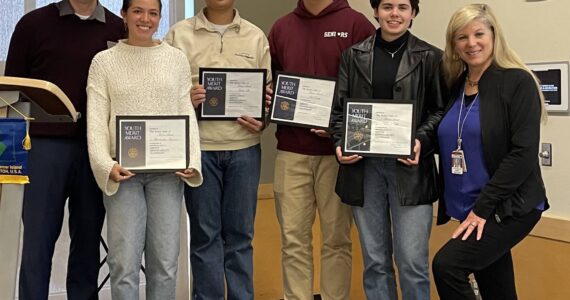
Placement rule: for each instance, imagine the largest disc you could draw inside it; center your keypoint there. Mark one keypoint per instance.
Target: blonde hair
(503, 55)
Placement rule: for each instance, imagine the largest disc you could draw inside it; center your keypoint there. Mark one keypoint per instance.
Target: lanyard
(460, 122)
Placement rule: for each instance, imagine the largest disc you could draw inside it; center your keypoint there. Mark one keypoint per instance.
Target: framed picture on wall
(553, 78)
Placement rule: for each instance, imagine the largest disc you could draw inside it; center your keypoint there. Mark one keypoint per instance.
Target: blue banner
(13, 156)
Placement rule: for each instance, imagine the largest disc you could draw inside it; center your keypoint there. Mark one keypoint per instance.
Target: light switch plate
(546, 154)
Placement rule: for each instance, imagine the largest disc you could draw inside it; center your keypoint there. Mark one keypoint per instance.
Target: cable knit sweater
(131, 80)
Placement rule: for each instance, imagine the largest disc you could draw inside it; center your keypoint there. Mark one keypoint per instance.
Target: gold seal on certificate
(133, 153)
(152, 143)
(214, 102)
(284, 106)
(378, 127)
(358, 136)
(304, 101)
(232, 93)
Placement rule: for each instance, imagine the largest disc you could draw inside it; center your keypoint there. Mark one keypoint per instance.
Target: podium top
(43, 93)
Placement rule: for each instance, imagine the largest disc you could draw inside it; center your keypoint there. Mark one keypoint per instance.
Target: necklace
(458, 164)
(460, 122)
(394, 53)
(472, 83)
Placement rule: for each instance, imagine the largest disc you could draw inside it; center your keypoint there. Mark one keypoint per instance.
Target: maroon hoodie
(307, 44)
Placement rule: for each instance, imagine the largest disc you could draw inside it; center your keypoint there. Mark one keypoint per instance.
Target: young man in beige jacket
(222, 210)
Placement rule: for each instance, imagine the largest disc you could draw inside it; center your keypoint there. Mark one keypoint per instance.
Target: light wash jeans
(222, 215)
(387, 228)
(144, 215)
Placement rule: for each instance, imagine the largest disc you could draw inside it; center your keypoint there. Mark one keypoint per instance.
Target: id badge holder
(458, 166)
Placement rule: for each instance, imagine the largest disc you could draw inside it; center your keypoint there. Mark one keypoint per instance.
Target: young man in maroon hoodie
(310, 41)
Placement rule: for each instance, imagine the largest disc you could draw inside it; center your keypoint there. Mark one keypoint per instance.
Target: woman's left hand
(186, 173)
(416, 160)
(471, 223)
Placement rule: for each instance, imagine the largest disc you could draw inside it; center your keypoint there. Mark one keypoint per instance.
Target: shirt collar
(65, 9)
(203, 23)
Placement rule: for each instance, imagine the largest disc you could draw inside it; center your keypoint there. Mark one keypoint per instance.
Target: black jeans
(489, 259)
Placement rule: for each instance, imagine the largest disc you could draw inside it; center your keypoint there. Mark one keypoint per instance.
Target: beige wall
(364, 7)
(538, 31)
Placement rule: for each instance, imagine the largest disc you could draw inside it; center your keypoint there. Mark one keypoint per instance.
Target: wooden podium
(45, 102)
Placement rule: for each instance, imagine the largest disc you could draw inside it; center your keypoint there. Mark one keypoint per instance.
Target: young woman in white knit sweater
(140, 76)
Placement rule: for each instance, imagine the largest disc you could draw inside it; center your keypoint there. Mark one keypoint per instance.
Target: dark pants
(222, 216)
(59, 169)
(489, 259)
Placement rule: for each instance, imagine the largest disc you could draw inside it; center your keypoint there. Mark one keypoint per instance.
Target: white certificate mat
(232, 93)
(303, 100)
(153, 143)
(379, 129)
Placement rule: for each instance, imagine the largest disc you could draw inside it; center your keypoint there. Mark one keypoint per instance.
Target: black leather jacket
(419, 79)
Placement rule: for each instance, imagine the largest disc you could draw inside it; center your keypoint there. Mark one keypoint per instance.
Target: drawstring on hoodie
(221, 43)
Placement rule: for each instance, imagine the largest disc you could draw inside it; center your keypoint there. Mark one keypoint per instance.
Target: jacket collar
(410, 58)
(202, 23)
(414, 44)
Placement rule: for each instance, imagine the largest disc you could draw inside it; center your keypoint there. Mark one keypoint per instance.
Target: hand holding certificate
(152, 143)
(303, 101)
(379, 128)
(232, 93)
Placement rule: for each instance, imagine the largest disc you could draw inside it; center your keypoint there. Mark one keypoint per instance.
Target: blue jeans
(222, 213)
(387, 228)
(59, 171)
(144, 215)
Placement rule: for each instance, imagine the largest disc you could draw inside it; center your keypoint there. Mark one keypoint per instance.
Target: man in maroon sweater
(310, 41)
(56, 43)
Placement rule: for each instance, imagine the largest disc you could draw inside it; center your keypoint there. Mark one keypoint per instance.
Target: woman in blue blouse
(488, 143)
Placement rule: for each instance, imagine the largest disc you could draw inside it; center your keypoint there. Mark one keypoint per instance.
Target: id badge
(458, 166)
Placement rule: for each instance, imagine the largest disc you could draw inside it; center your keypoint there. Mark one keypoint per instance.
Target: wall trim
(552, 228)
(265, 191)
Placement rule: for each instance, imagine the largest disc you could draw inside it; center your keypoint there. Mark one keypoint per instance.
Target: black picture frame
(133, 162)
(352, 134)
(214, 106)
(284, 107)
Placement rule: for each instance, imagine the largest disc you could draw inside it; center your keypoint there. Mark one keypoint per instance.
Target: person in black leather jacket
(392, 198)
(495, 190)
